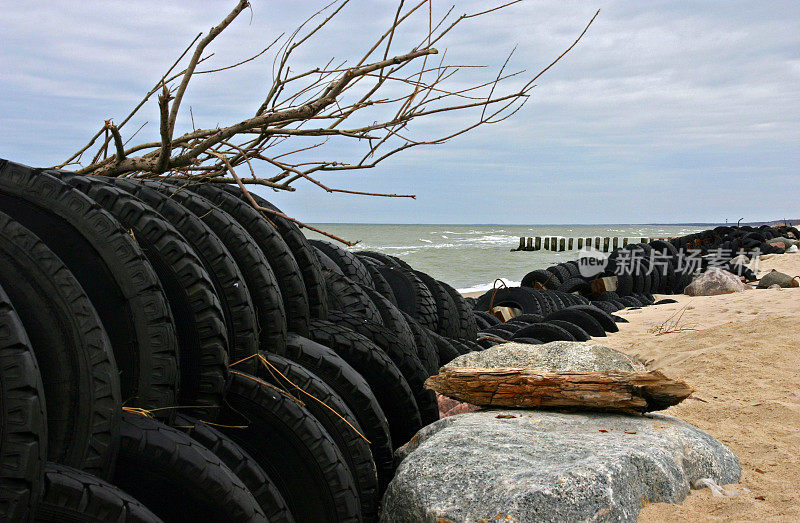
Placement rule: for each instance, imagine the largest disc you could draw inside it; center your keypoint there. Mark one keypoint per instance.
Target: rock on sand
(526, 465)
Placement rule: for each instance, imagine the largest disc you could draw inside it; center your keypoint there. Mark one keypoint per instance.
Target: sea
(472, 257)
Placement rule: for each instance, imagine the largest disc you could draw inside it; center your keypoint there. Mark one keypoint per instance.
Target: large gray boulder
(567, 356)
(525, 465)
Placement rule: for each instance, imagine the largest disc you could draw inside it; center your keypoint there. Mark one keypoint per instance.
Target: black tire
(541, 279)
(608, 296)
(446, 349)
(630, 301)
(346, 296)
(578, 333)
(276, 251)
(488, 318)
(196, 310)
(327, 264)
(457, 346)
(618, 303)
(574, 285)
(406, 361)
(601, 316)
(339, 421)
(237, 307)
(354, 390)
(664, 247)
(582, 319)
(293, 448)
(399, 323)
(258, 275)
(176, 477)
(446, 315)
(303, 254)
(74, 355)
(546, 332)
(387, 383)
(471, 345)
(560, 271)
(381, 285)
(23, 421)
(240, 463)
(468, 329)
(74, 495)
(505, 328)
(385, 259)
(619, 319)
(521, 298)
(606, 306)
(114, 273)
(424, 342)
(481, 322)
(413, 297)
(349, 263)
(525, 319)
(546, 301)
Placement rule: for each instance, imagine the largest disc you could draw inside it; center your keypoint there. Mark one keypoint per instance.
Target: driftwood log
(533, 388)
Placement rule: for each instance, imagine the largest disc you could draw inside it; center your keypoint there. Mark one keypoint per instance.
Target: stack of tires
(543, 316)
(170, 352)
(664, 267)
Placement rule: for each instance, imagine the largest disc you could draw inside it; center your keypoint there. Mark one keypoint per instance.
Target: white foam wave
(489, 286)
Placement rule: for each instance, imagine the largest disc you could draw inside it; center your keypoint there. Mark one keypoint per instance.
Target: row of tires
(546, 315)
(169, 352)
(666, 267)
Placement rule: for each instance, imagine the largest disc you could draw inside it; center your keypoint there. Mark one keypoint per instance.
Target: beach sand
(740, 352)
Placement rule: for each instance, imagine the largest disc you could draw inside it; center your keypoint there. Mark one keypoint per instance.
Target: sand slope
(742, 358)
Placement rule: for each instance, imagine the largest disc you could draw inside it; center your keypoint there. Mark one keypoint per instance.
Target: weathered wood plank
(533, 388)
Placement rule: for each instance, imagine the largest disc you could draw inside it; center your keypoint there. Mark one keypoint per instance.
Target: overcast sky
(665, 112)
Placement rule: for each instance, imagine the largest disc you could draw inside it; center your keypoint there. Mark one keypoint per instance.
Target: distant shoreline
(793, 221)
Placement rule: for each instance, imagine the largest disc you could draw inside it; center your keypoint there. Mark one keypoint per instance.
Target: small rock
(793, 249)
(713, 282)
(776, 278)
(775, 286)
(550, 466)
(554, 356)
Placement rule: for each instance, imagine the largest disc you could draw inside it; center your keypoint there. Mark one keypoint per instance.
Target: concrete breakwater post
(561, 244)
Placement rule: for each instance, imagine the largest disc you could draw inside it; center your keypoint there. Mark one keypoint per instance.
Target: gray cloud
(665, 112)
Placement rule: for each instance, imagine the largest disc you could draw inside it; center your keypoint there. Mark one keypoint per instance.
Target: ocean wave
(489, 286)
(412, 248)
(490, 239)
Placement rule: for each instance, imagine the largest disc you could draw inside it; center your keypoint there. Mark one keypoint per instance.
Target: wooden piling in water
(538, 243)
(569, 244)
(606, 242)
(562, 244)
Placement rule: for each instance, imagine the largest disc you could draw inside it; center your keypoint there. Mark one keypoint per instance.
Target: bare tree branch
(298, 127)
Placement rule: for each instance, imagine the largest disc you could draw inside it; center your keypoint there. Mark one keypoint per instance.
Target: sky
(665, 112)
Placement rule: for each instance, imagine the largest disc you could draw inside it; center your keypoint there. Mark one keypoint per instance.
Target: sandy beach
(739, 351)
